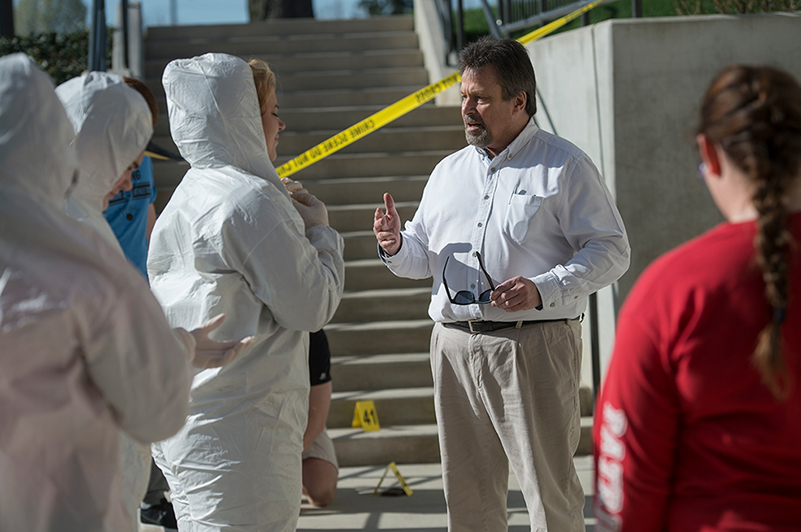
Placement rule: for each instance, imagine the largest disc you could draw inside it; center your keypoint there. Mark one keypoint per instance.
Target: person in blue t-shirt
(131, 215)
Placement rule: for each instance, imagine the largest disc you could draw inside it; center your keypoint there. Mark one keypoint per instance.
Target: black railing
(97, 37)
(505, 17)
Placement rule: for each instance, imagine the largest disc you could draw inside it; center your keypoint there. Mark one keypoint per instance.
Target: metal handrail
(97, 37)
(446, 25)
(514, 15)
(125, 34)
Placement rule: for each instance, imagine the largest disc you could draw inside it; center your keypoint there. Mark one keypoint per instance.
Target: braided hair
(754, 114)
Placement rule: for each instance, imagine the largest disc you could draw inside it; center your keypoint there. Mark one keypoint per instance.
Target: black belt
(488, 326)
(479, 326)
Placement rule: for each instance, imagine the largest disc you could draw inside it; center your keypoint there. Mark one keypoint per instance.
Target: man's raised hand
(387, 226)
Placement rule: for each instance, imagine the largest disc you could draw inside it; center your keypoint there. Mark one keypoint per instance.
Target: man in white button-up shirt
(517, 230)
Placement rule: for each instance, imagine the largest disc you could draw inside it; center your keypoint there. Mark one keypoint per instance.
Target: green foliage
(62, 56)
(735, 7)
(475, 25)
(45, 16)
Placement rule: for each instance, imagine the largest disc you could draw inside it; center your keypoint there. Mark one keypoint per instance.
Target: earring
(702, 171)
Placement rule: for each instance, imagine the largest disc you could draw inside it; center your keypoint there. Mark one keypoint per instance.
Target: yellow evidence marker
(364, 416)
(406, 489)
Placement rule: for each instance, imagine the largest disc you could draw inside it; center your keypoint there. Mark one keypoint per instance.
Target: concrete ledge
(401, 444)
(394, 406)
(379, 372)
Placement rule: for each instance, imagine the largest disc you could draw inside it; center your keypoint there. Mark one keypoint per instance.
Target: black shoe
(160, 514)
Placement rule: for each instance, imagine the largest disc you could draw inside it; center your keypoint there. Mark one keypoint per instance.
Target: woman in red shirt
(699, 422)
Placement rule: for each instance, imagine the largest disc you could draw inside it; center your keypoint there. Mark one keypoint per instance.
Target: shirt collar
(516, 145)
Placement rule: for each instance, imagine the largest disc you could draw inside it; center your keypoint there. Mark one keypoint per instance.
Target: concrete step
(343, 191)
(372, 274)
(310, 99)
(384, 140)
(379, 372)
(331, 191)
(376, 338)
(365, 95)
(405, 406)
(359, 245)
(337, 119)
(405, 444)
(405, 370)
(375, 164)
(354, 78)
(384, 305)
(359, 217)
(449, 137)
(354, 507)
(312, 62)
(370, 164)
(402, 444)
(247, 46)
(281, 27)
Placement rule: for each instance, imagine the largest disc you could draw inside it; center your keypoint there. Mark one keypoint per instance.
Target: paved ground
(355, 509)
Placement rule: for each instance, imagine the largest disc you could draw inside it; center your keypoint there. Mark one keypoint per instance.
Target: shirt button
(553, 305)
(472, 285)
(486, 196)
(575, 297)
(480, 224)
(475, 253)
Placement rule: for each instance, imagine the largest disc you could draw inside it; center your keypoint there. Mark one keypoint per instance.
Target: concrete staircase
(332, 74)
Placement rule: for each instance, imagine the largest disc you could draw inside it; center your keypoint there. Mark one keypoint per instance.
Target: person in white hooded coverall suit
(112, 127)
(86, 349)
(230, 240)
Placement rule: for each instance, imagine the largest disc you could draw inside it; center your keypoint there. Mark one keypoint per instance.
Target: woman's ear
(709, 154)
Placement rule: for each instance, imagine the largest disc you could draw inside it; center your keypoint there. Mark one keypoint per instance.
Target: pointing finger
(389, 202)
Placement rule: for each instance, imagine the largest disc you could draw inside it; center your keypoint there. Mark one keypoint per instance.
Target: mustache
(473, 120)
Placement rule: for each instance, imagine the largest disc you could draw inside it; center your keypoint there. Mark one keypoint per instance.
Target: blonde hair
(264, 78)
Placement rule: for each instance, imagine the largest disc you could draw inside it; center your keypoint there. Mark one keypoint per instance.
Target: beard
(481, 138)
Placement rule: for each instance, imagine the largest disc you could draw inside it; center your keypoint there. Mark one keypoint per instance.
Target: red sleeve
(635, 434)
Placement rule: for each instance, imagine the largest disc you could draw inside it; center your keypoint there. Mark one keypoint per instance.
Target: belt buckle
(470, 325)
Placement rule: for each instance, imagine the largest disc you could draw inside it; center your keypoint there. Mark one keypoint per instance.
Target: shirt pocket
(519, 214)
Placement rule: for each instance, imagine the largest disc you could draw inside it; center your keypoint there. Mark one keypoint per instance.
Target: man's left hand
(516, 294)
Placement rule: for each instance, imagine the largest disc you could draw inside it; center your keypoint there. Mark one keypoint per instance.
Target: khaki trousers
(509, 397)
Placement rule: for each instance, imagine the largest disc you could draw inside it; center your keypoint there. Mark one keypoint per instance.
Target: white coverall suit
(113, 124)
(86, 349)
(229, 240)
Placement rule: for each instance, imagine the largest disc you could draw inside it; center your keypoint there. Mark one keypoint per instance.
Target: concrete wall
(627, 92)
(432, 43)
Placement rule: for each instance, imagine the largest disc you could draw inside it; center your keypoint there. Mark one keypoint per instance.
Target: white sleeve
(300, 278)
(592, 225)
(137, 363)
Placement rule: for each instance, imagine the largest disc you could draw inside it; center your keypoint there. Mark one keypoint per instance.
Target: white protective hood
(27, 150)
(217, 127)
(112, 125)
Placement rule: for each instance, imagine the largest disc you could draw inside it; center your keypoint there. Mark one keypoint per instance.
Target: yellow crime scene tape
(401, 107)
